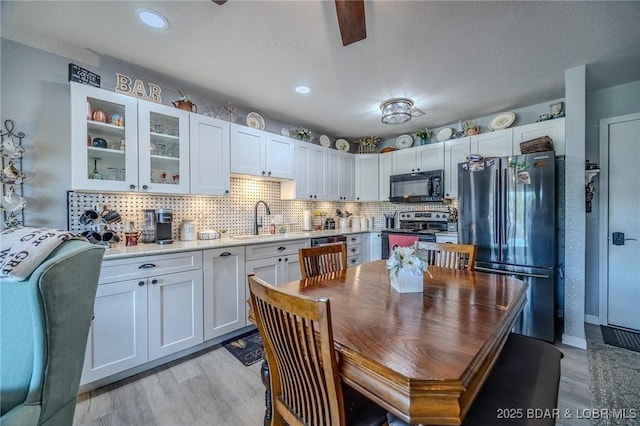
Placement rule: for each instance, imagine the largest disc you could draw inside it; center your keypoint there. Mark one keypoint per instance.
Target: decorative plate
(342, 145)
(285, 132)
(404, 141)
(502, 121)
(255, 121)
(444, 134)
(325, 141)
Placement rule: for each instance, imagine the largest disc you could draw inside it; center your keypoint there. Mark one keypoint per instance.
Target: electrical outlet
(278, 219)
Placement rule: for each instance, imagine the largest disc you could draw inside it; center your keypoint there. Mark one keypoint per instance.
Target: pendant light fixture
(396, 110)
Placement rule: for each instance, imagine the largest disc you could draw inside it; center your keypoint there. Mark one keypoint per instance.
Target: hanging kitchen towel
(23, 249)
(401, 241)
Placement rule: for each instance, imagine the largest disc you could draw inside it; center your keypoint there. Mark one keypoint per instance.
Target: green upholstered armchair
(44, 323)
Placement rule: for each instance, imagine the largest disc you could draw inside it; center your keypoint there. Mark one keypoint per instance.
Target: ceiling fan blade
(351, 20)
(220, 2)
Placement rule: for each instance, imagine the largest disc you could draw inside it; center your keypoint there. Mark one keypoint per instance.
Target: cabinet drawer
(354, 260)
(353, 250)
(353, 239)
(261, 251)
(146, 266)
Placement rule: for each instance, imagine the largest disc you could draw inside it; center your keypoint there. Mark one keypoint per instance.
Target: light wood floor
(216, 389)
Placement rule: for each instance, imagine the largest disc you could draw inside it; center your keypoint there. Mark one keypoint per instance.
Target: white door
(622, 137)
(209, 155)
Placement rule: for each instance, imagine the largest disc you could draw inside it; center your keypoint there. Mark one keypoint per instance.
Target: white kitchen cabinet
(117, 338)
(385, 164)
(375, 246)
(163, 148)
(174, 312)
(93, 167)
(498, 143)
(145, 308)
(258, 153)
(276, 263)
(455, 151)
(419, 159)
(553, 128)
(340, 176)
(366, 177)
(209, 156)
(154, 156)
(310, 168)
(225, 297)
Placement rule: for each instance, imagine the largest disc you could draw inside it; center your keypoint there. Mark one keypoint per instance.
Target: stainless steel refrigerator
(507, 210)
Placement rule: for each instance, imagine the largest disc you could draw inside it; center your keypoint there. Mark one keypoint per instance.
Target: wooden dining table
(422, 356)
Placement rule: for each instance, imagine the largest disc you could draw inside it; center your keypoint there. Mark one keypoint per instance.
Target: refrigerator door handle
(503, 195)
(503, 272)
(496, 209)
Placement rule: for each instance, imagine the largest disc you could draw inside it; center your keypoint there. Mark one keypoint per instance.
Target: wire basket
(544, 143)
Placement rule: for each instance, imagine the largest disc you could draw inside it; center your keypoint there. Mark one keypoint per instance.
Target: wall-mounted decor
(126, 86)
(12, 202)
(83, 76)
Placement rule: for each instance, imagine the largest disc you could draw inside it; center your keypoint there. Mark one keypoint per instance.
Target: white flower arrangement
(303, 134)
(410, 259)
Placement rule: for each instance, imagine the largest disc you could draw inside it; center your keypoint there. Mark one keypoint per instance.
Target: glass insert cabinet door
(104, 134)
(163, 138)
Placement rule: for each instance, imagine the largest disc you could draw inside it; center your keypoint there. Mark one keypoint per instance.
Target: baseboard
(592, 319)
(577, 342)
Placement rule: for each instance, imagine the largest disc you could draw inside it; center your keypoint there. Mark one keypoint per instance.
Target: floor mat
(247, 348)
(621, 338)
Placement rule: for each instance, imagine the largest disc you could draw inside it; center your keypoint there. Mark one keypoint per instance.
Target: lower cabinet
(149, 316)
(375, 246)
(225, 298)
(275, 263)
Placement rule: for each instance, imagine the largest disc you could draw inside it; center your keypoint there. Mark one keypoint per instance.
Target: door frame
(603, 282)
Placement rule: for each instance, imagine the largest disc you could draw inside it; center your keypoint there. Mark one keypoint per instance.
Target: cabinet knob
(140, 283)
(145, 187)
(282, 248)
(286, 259)
(310, 196)
(269, 174)
(226, 191)
(263, 173)
(154, 281)
(132, 186)
(280, 260)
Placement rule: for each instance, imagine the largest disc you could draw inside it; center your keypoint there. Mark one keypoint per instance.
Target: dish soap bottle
(273, 227)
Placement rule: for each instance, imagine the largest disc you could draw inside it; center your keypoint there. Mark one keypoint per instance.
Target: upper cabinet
(455, 151)
(498, 143)
(120, 143)
(340, 176)
(309, 178)
(104, 156)
(385, 165)
(366, 180)
(209, 156)
(258, 153)
(552, 128)
(163, 148)
(420, 159)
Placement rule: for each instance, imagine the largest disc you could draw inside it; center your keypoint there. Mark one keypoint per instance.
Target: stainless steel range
(422, 224)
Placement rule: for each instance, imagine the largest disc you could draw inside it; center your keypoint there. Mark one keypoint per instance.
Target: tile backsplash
(233, 213)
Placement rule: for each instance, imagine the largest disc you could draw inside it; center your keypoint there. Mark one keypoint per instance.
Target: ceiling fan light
(396, 110)
(152, 19)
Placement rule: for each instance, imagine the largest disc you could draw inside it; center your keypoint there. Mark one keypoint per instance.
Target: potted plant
(470, 128)
(303, 134)
(424, 136)
(406, 265)
(185, 102)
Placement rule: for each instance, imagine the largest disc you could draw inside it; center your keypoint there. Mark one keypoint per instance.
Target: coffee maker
(164, 232)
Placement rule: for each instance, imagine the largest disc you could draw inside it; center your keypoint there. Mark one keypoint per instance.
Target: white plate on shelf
(444, 134)
(325, 141)
(404, 141)
(342, 145)
(255, 121)
(285, 132)
(502, 121)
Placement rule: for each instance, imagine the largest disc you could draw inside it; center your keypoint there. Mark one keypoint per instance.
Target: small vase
(405, 281)
(424, 141)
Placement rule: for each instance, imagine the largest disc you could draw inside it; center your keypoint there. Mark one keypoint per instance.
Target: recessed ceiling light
(152, 19)
(303, 89)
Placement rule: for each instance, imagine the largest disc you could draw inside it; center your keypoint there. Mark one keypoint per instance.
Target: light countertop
(121, 251)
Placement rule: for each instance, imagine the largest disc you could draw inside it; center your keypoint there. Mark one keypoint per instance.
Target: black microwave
(417, 187)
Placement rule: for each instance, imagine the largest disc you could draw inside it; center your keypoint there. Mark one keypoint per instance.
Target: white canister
(344, 224)
(364, 222)
(355, 222)
(188, 230)
(371, 222)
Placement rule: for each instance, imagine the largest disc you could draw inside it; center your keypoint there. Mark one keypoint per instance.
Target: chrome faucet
(255, 216)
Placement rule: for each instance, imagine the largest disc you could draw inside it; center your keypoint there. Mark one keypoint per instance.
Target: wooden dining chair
(449, 255)
(298, 344)
(322, 259)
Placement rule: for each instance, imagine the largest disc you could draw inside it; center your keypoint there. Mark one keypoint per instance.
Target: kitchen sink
(267, 237)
